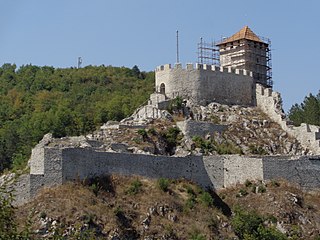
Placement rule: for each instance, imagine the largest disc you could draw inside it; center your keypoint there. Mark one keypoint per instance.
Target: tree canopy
(37, 100)
(306, 112)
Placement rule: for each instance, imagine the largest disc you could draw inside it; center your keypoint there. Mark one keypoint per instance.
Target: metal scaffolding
(208, 53)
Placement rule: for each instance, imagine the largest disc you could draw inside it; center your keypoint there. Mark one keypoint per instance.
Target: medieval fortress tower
(245, 60)
(242, 77)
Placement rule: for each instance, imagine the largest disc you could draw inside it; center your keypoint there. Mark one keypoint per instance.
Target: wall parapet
(203, 67)
(270, 102)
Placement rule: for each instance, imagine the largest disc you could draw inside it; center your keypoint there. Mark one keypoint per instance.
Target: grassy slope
(116, 209)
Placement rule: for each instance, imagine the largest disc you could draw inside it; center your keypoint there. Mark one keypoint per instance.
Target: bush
(163, 184)
(248, 183)
(152, 131)
(135, 187)
(205, 145)
(243, 192)
(176, 104)
(227, 148)
(143, 134)
(206, 199)
(95, 187)
(249, 225)
(171, 136)
(262, 189)
(258, 150)
(190, 190)
(190, 203)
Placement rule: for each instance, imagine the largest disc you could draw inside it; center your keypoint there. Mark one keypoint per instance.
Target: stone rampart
(70, 163)
(204, 83)
(303, 171)
(270, 102)
(192, 128)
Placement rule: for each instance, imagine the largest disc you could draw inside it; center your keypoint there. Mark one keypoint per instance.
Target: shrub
(152, 131)
(190, 190)
(176, 104)
(206, 199)
(190, 203)
(227, 148)
(95, 187)
(245, 222)
(163, 184)
(171, 136)
(118, 211)
(249, 225)
(135, 187)
(258, 150)
(254, 188)
(143, 134)
(262, 189)
(248, 183)
(243, 192)
(205, 145)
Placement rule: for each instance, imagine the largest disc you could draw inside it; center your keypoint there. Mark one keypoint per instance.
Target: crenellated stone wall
(270, 102)
(74, 163)
(204, 83)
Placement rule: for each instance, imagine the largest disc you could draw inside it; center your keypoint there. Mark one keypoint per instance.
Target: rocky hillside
(247, 131)
(136, 208)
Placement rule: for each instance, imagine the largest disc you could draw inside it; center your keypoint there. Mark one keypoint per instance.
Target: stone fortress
(242, 78)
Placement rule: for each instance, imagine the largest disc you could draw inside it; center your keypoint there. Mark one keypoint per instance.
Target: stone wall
(206, 83)
(90, 163)
(238, 169)
(270, 102)
(65, 164)
(303, 171)
(50, 166)
(192, 128)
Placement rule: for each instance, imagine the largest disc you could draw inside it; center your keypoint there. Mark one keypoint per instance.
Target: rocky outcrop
(270, 102)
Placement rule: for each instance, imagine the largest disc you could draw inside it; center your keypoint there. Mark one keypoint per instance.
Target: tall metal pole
(201, 47)
(177, 46)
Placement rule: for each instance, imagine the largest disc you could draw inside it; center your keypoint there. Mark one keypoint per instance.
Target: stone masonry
(204, 83)
(50, 166)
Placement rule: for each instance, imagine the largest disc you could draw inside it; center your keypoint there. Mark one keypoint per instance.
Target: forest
(63, 101)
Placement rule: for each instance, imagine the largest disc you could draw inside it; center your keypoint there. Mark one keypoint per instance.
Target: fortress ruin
(242, 78)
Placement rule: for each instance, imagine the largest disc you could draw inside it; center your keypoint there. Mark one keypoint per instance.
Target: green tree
(296, 114)
(311, 110)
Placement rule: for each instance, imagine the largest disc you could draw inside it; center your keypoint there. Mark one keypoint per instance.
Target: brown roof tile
(244, 33)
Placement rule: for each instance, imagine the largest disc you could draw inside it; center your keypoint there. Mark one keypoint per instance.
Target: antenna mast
(178, 46)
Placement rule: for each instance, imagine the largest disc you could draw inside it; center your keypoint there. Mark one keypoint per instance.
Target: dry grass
(286, 202)
(71, 202)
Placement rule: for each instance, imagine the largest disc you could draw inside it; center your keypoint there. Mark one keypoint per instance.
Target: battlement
(264, 91)
(203, 67)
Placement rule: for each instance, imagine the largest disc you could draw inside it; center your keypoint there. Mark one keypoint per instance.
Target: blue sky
(143, 32)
